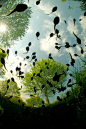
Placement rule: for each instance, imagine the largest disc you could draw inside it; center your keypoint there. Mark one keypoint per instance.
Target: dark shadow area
(56, 114)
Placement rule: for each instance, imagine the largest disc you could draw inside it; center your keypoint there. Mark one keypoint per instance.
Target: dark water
(20, 30)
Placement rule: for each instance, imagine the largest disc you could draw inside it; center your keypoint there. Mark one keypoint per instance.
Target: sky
(43, 23)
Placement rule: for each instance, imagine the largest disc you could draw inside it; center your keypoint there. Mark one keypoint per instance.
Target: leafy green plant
(12, 90)
(79, 92)
(17, 100)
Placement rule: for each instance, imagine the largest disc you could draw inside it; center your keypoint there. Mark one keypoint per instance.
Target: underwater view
(43, 63)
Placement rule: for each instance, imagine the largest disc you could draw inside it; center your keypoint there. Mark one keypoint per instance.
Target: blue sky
(40, 22)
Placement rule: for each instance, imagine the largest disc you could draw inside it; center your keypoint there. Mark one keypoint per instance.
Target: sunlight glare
(2, 28)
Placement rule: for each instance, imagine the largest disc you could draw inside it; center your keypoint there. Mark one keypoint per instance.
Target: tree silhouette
(16, 24)
(42, 82)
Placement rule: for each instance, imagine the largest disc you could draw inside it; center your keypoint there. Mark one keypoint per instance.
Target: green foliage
(46, 74)
(77, 91)
(79, 75)
(12, 90)
(15, 100)
(16, 24)
(34, 101)
(83, 5)
(2, 55)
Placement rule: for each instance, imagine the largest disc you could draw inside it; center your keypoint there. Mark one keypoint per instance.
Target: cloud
(48, 45)
(71, 26)
(48, 25)
(46, 8)
(71, 51)
(30, 30)
(12, 63)
(83, 26)
(83, 22)
(63, 35)
(24, 96)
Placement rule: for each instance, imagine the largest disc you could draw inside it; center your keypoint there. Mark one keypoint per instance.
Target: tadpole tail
(37, 38)
(48, 14)
(5, 67)
(25, 53)
(75, 35)
(54, 27)
(11, 12)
